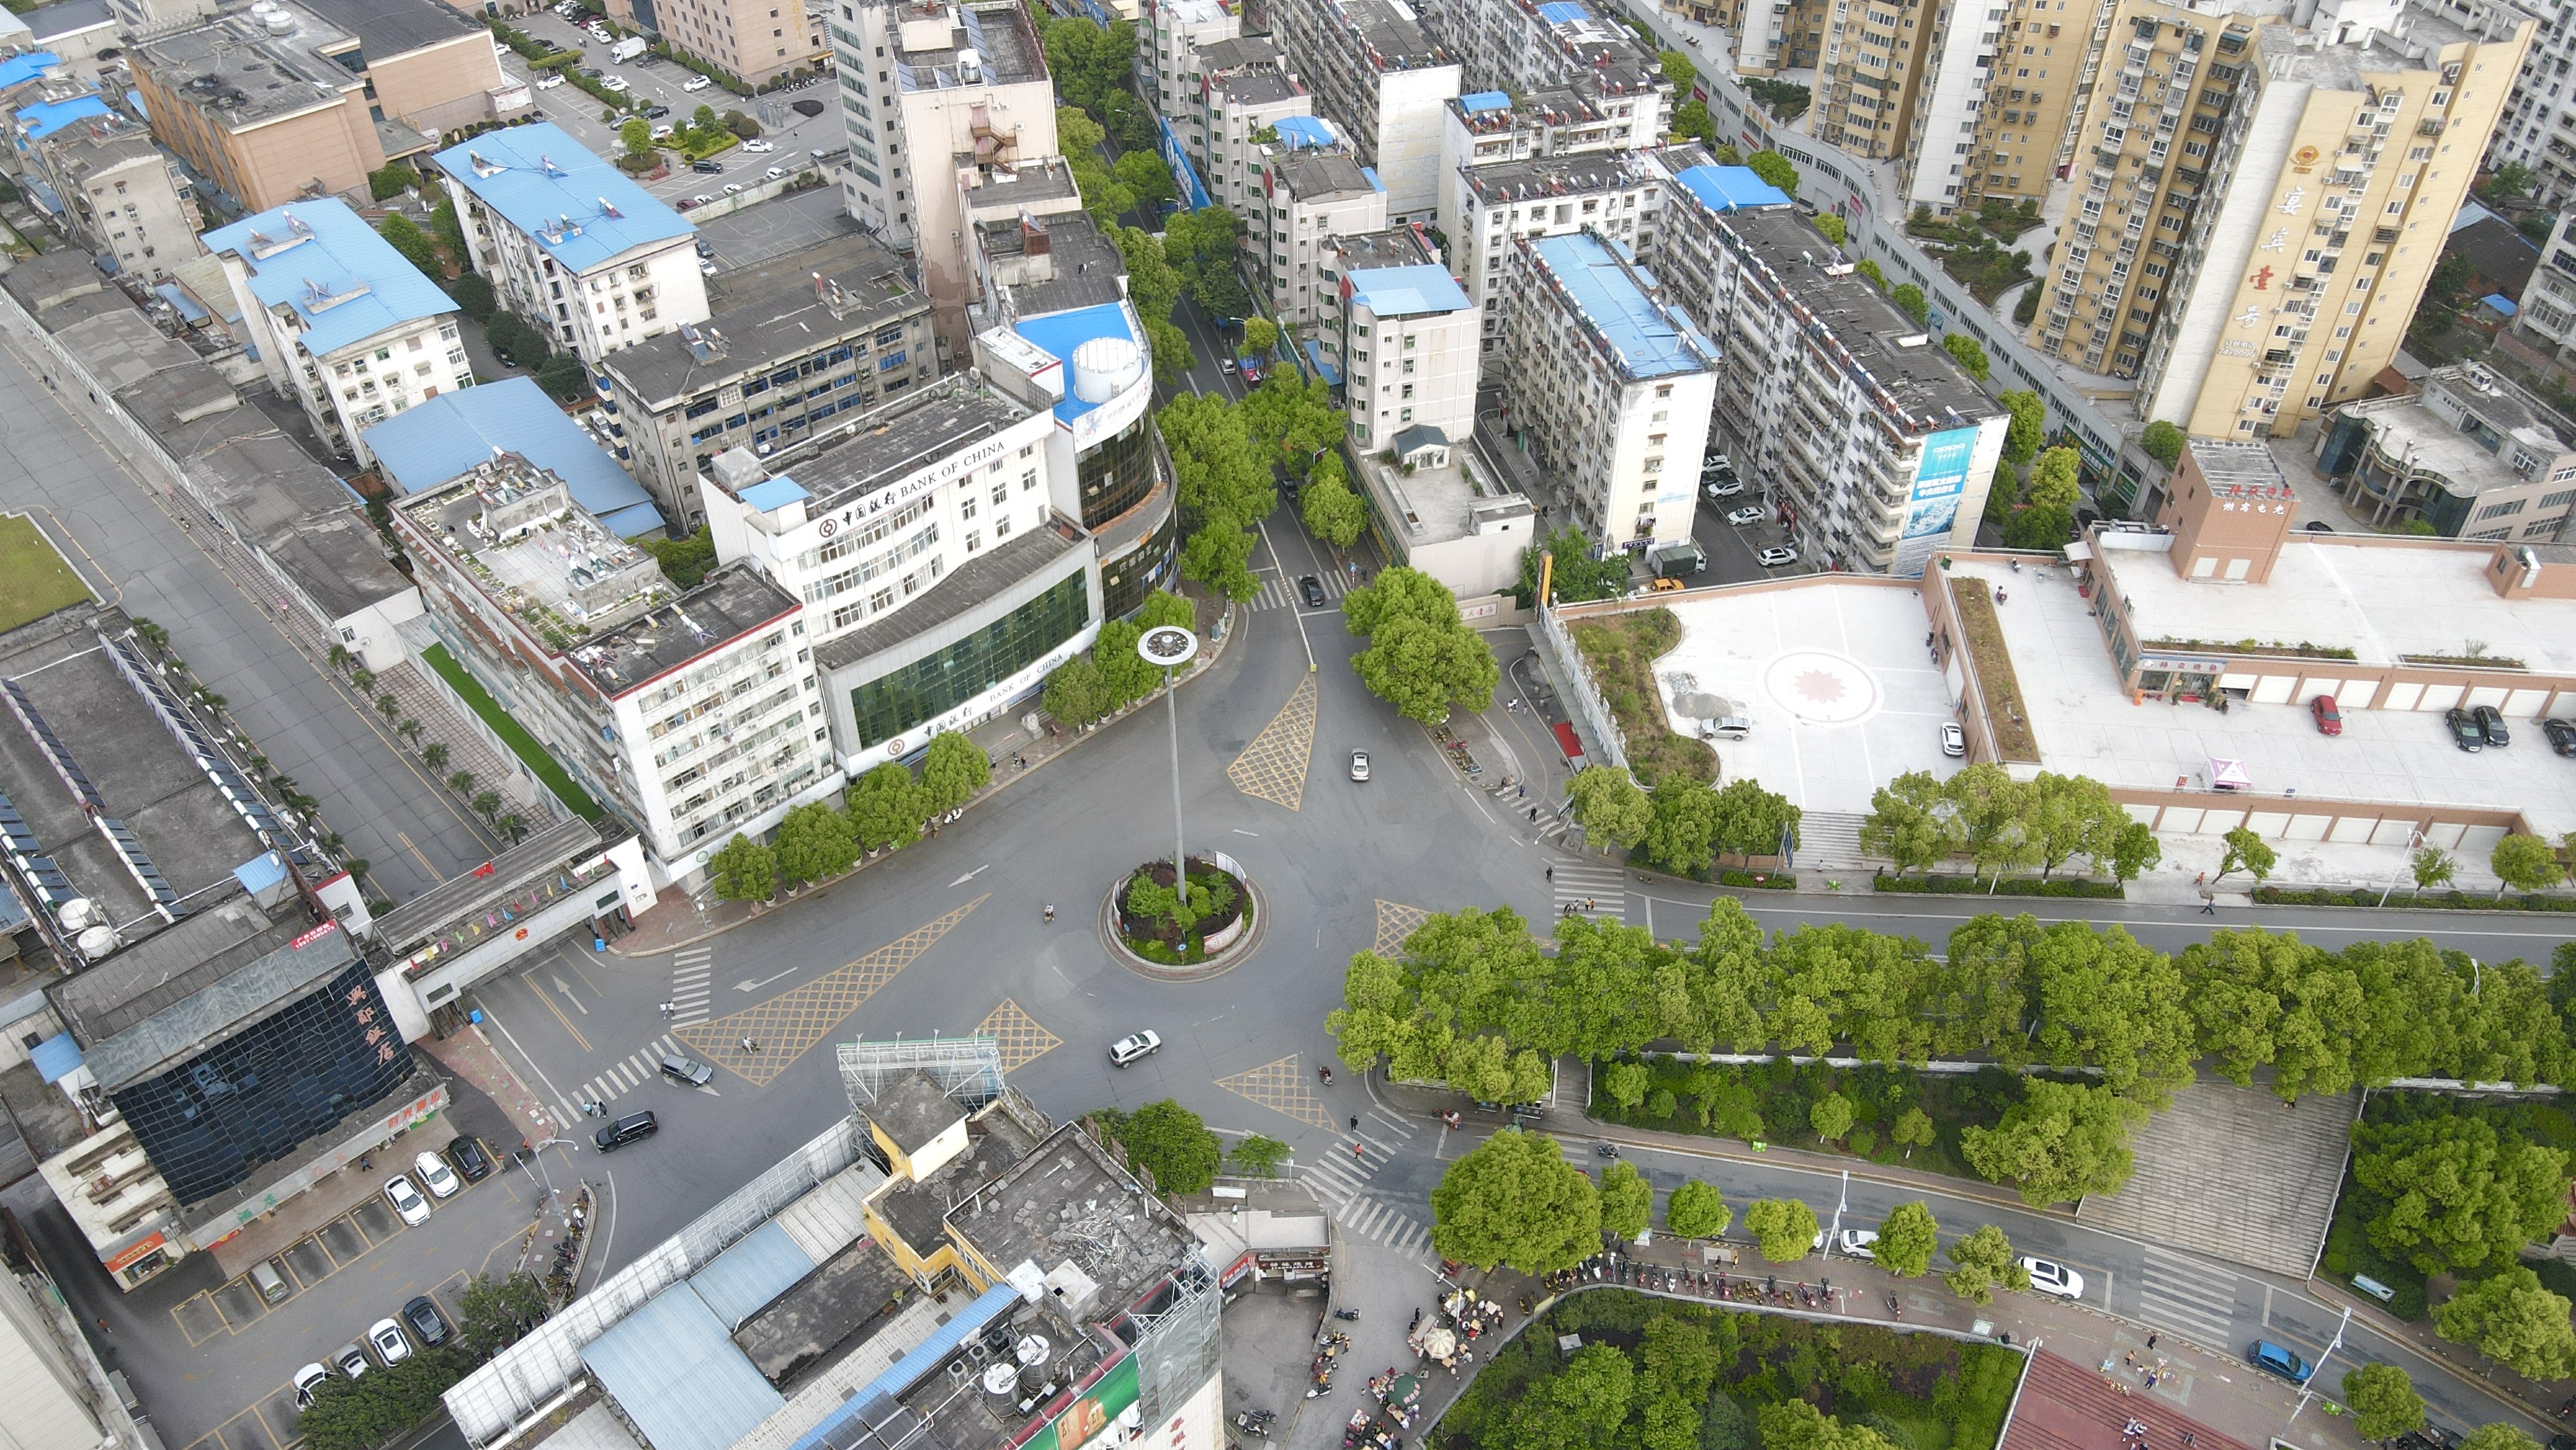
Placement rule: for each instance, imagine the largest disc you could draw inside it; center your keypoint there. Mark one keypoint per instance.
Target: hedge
(2440, 901)
(512, 733)
(2063, 886)
(1767, 881)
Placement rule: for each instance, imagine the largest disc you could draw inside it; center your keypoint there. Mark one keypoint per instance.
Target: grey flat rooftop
(908, 437)
(543, 854)
(1393, 247)
(2430, 442)
(1395, 39)
(67, 17)
(771, 313)
(913, 1110)
(1435, 505)
(1088, 269)
(388, 28)
(1257, 85)
(1067, 1200)
(1547, 178)
(730, 603)
(90, 148)
(1036, 185)
(217, 1008)
(1011, 50)
(165, 969)
(848, 1299)
(1240, 50)
(918, 1210)
(968, 585)
(253, 77)
(2228, 1172)
(1924, 379)
(1323, 175)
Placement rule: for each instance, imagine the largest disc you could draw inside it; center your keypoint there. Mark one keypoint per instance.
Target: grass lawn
(512, 733)
(1622, 650)
(34, 579)
(2013, 740)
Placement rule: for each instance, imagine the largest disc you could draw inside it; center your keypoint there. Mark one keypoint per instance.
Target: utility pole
(1171, 647)
(2307, 1386)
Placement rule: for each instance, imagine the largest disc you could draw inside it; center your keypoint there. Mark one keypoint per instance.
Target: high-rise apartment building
(1611, 383)
(1494, 207)
(122, 195)
(1406, 340)
(1863, 434)
(1245, 92)
(936, 99)
(1772, 36)
(1171, 35)
(2539, 126)
(1519, 48)
(2259, 204)
(1311, 190)
(1376, 73)
(755, 39)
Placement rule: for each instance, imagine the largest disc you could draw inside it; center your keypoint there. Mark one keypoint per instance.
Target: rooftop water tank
(1105, 367)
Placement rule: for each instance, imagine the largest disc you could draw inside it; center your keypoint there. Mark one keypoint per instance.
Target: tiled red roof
(2067, 1406)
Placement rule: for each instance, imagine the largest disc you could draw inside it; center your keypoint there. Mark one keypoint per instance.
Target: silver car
(1775, 556)
(1135, 1047)
(1359, 765)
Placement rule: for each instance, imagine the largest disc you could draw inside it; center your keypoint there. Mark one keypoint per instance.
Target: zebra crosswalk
(624, 1075)
(1585, 889)
(1281, 591)
(1341, 1182)
(690, 970)
(2188, 1297)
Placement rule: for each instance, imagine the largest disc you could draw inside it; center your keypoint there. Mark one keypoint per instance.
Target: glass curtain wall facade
(1118, 474)
(895, 702)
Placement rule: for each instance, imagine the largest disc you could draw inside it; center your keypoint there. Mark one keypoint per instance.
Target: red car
(2329, 719)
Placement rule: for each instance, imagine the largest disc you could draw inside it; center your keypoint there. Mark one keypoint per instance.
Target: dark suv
(2491, 725)
(2562, 735)
(624, 1131)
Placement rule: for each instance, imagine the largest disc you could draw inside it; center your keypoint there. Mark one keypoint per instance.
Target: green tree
(2163, 442)
(564, 378)
(1074, 694)
(744, 870)
(1982, 1263)
(1609, 806)
(685, 561)
(1774, 168)
(1144, 174)
(2134, 849)
(1219, 556)
(1836, 230)
(2247, 852)
(636, 135)
(2524, 863)
(2512, 1319)
(1831, 1116)
(1990, 805)
(2432, 867)
(1912, 823)
(1798, 1425)
(1907, 1239)
(1912, 1130)
(472, 293)
(2056, 479)
(1783, 1229)
(1868, 267)
(1697, 1210)
(2497, 1437)
(888, 807)
(1573, 574)
(434, 756)
(1626, 1200)
(1677, 69)
(2068, 816)
(1291, 420)
(1682, 829)
(1331, 512)
(2061, 1142)
(2039, 527)
(1752, 821)
(815, 843)
(1123, 672)
(406, 237)
(2450, 1193)
(2028, 428)
(1515, 1200)
(1421, 658)
(492, 1313)
(2383, 1402)
(1909, 300)
(1152, 285)
(391, 181)
(1258, 1156)
(1625, 1083)
(1969, 354)
(953, 768)
(1170, 1142)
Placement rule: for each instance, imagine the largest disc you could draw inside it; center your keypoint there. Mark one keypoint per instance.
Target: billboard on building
(1095, 1409)
(1933, 507)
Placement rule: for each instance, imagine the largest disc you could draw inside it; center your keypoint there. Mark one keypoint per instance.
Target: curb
(1178, 976)
(1233, 629)
(1955, 1188)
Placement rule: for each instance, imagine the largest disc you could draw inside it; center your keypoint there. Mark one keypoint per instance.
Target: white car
(1715, 461)
(550, 80)
(305, 1379)
(1954, 741)
(757, 147)
(387, 1339)
(733, 188)
(1718, 488)
(1359, 765)
(407, 1200)
(696, 83)
(2050, 1277)
(1854, 1243)
(612, 83)
(1749, 514)
(1775, 556)
(434, 1172)
(701, 199)
(774, 173)
(1135, 1047)
(706, 269)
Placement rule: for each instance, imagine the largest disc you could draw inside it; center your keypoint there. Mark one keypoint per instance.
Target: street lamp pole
(2305, 1386)
(1171, 647)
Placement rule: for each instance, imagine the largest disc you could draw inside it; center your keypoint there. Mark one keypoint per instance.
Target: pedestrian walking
(1533, 815)
(666, 1009)
(2208, 904)
(1524, 795)
(1355, 1125)
(750, 1046)
(1551, 873)
(1359, 1153)
(2151, 1341)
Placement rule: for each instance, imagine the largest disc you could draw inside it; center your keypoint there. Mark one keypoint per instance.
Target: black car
(472, 1163)
(2464, 729)
(624, 1131)
(1313, 589)
(711, 168)
(656, 111)
(807, 108)
(2491, 724)
(2562, 735)
(426, 1321)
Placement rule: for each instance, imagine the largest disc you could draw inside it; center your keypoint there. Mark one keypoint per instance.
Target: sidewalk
(470, 1055)
(677, 919)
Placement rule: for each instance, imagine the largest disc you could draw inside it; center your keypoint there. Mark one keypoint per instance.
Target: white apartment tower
(1244, 94)
(1311, 190)
(1490, 208)
(1171, 35)
(1571, 45)
(1377, 74)
(1407, 345)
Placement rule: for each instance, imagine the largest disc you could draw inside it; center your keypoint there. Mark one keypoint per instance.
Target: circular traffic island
(1155, 933)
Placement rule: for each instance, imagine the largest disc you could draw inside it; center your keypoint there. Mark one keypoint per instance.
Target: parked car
(774, 173)
(696, 83)
(758, 148)
(2047, 1276)
(406, 1200)
(733, 188)
(2329, 718)
(1359, 765)
(706, 269)
(701, 199)
(1854, 1243)
(1313, 589)
(663, 132)
(550, 80)
(2273, 1359)
(1749, 514)
(612, 83)
(2491, 724)
(2464, 729)
(1722, 488)
(1716, 460)
(1954, 741)
(390, 1345)
(1775, 556)
(351, 1360)
(2562, 735)
(434, 1175)
(305, 1379)
(1135, 1047)
(656, 111)
(624, 1131)
(426, 1321)
(472, 1163)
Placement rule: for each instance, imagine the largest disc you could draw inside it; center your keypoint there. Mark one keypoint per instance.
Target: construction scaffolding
(967, 1069)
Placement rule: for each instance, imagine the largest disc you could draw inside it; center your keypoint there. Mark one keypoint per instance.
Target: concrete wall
(425, 86)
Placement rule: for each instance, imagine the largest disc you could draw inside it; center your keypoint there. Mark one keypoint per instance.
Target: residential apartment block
(1864, 435)
(571, 242)
(1408, 342)
(2538, 129)
(342, 323)
(805, 345)
(1610, 383)
(1245, 94)
(1492, 208)
(1312, 190)
(1572, 46)
(930, 95)
(691, 714)
(1376, 73)
(757, 40)
(2467, 452)
(122, 195)
(1988, 100)
(1772, 36)
(1171, 36)
(2547, 317)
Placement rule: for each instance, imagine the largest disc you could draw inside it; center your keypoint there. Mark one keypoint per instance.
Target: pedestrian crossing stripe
(1604, 887)
(2188, 1298)
(1283, 592)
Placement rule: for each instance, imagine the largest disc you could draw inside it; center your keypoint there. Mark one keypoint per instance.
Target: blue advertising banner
(1933, 506)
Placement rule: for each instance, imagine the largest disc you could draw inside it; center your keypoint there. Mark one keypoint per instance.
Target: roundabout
(1138, 925)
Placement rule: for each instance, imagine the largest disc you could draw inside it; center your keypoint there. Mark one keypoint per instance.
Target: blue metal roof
(1651, 340)
(1561, 12)
(177, 296)
(261, 872)
(46, 117)
(55, 1057)
(773, 494)
(1407, 291)
(1331, 375)
(432, 442)
(764, 1265)
(910, 1370)
(27, 67)
(580, 209)
(678, 1377)
(346, 283)
(1296, 131)
(1476, 101)
(1724, 188)
(1061, 332)
(31, 1003)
